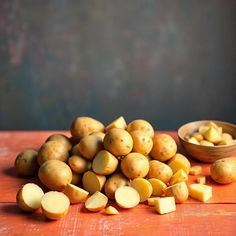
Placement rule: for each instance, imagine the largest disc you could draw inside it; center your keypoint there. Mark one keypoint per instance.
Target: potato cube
(165, 205)
(195, 170)
(201, 180)
(200, 192)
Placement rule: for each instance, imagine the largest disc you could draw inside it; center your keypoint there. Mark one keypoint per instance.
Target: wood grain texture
(192, 218)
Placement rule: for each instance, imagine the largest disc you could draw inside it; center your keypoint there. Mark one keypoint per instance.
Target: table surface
(216, 217)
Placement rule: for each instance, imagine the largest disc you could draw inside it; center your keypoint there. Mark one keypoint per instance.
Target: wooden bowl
(205, 153)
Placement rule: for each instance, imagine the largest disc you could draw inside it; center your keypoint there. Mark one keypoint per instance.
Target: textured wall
(166, 61)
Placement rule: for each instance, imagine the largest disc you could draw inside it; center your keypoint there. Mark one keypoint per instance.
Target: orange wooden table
(217, 217)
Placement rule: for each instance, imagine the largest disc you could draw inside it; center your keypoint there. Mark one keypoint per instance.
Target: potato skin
(114, 182)
(134, 165)
(83, 126)
(164, 147)
(142, 142)
(159, 171)
(61, 138)
(55, 174)
(26, 162)
(52, 150)
(142, 125)
(223, 171)
(118, 142)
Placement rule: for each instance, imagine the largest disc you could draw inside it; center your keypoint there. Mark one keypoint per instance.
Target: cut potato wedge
(55, 205)
(200, 192)
(178, 177)
(104, 163)
(96, 202)
(111, 211)
(29, 197)
(75, 194)
(118, 123)
(143, 187)
(93, 182)
(127, 197)
(157, 187)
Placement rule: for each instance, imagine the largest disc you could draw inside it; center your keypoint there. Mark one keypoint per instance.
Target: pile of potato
(126, 163)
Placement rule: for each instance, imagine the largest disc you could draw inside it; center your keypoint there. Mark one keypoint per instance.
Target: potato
(179, 191)
(158, 187)
(127, 197)
(118, 142)
(195, 170)
(90, 145)
(55, 205)
(26, 162)
(61, 138)
(142, 142)
(52, 150)
(76, 178)
(200, 192)
(55, 174)
(223, 171)
(206, 143)
(111, 211)
(83, 126)
(75, 194)
(143, 187)
(93, 182)
(142, 125)
(96, 202)
(104, 163)
(198, 136)
(151, 201)
(115, 181)
(178, 177)
(164, 205)
(193, 140)
(159, 171)
(164, 147)
(29, 197)
(99, 134)
(118, 123)
(179, 161)
(78, 164)
(212, 135)
(201, 180)
(75, 150)
(134, 165)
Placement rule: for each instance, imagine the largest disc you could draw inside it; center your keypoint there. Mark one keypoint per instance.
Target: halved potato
(96, 202)
(75, 193)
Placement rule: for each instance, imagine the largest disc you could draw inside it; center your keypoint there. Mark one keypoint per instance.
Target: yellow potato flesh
(178, 177)
(165, 205)
(96, 202)
(143, 187)
(111, 211)
(157, 187)
(55, 205)
(75, 194)
(200, 192)
(178, 162)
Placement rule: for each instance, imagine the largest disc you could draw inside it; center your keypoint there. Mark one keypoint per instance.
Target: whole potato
(55, 174)
(142, 125)
(61, 138)
(90, 145)
(142, 142)
(134, 165)
(164, 147)
(114, 182)
(223, 171)
(52, 150)
(118, 142)
(159, 170)
(78, 164)
(83, 126)
(26, 162)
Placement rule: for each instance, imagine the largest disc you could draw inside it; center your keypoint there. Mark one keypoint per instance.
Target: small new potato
(118, 142)
(83, 126)
(223, 171)
(26, 162)
(55, 174)
(134, 165)
(61, 138)
(159, 170)
(164, 147)
(78, 164)
(52, 150)
(90, 145)
(142, 125)
(179, 161)
(142, 142)
(115, 181)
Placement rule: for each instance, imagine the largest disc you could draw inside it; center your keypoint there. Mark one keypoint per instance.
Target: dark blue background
(165, 61)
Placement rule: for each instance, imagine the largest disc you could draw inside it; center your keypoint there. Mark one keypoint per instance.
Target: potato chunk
(157, 187)
(29, 197)
(75, 194)
(179, 161)
(143, 187)
(127, 197)
(178, 177)
(111, 211)
(200, 192)
(195, 170)
(165, 205)
(96, 202)
(55, 205)
(118, 123)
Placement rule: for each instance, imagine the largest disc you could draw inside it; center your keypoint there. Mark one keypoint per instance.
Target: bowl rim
(205, 121)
